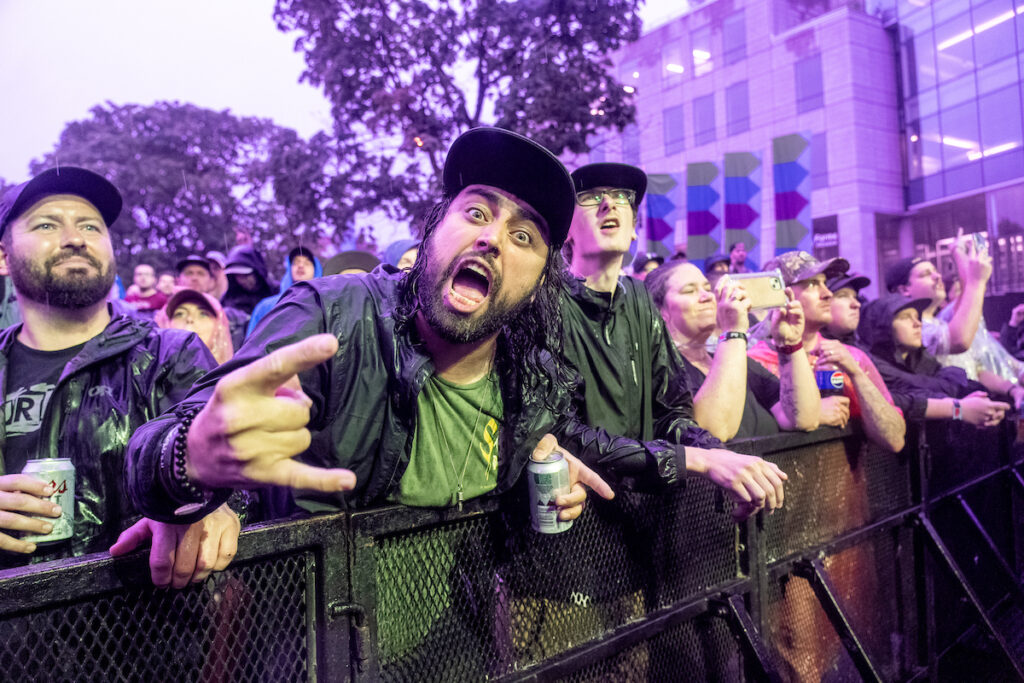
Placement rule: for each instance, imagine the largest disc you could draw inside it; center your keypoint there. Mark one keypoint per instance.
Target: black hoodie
(237, 296)
(916, 378)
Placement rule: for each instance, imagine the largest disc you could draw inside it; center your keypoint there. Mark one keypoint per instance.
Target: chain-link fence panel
(485, 597)
(249, 623)
(834, 487)
(701, 649)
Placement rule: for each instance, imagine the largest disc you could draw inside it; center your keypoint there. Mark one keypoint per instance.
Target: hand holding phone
(765, 290)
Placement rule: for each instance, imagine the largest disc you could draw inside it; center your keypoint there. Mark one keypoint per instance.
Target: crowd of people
(431, 376)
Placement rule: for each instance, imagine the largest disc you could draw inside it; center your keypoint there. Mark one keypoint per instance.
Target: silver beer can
(61, 474)
(548, 479)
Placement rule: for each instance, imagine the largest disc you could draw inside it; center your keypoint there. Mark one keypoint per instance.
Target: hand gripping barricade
(880, 566)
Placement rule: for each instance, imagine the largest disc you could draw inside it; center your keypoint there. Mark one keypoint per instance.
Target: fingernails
(31, 548)
(47, 527)
(48, 490)
(56, 509)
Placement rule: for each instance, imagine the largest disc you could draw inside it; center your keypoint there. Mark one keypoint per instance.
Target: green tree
(405, 78)
(191, 176)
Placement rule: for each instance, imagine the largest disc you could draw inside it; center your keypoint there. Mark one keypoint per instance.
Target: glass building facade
(961, 69)
(914, 109)
(960, 77)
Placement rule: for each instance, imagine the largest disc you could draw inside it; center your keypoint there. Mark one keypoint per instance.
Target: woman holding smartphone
(693, 311)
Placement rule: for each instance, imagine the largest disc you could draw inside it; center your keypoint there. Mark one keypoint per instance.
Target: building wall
(860, 173)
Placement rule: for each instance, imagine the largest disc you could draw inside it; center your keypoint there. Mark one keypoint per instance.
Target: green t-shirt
(456, 440)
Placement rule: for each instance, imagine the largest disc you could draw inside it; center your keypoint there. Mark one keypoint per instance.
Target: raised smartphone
(765, 290)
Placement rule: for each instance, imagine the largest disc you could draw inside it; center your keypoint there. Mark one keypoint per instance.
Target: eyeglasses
(595, 197)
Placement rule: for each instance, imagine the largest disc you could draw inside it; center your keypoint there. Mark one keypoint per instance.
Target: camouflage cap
(799, 265)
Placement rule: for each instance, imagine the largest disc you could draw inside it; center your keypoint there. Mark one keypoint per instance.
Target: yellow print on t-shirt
(489, 449)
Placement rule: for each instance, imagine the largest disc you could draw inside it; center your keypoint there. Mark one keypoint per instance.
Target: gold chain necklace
(460, 478)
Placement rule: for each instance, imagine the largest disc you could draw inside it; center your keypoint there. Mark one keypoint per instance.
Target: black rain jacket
(912, 380)
(364, 405)
(633, 382)
(128, 374)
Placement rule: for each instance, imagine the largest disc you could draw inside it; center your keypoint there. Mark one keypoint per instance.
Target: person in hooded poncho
(301, 265)
(890, 330)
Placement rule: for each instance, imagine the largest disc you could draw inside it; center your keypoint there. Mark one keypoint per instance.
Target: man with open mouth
(427, 388)
(615, 338)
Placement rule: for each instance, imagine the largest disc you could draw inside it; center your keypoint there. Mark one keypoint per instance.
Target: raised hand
(788, 322)
(972, 265)
(255, 423)
(733, 306)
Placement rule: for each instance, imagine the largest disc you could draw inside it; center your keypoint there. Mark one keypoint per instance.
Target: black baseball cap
(710, 261)
(194, 259)
(642, 259)
(80, 182)
(516, 164)
(899, 273)
(854, 281)
(611, 175)
(301, 251)
(877, 316)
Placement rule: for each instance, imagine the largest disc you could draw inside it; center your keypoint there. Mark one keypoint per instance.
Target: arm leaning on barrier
(184, 553)
(21, 498)
(752, 482)
(883, 424)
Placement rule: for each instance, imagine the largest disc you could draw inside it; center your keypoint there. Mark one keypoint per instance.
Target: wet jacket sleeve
(625, 463)
(299, 316)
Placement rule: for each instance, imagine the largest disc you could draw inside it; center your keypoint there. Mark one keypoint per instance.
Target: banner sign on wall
(703, 211)
(792, 171)
(743, 201)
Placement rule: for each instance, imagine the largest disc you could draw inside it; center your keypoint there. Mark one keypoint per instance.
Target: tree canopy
(191, 176)
(405, 78)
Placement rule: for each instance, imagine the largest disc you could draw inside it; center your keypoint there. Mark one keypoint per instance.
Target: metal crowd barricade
(879, 567)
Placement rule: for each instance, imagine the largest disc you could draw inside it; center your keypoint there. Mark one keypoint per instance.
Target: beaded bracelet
(172, 463)
(180, 452)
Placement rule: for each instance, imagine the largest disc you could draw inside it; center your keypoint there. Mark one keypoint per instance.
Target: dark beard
(455, 328)
(73, 291)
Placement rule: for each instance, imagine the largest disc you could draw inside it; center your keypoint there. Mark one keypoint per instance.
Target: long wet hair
(529, 357)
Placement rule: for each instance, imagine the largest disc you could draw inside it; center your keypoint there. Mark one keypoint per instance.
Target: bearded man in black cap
(77, 380)
(426, 388)
(615, 338)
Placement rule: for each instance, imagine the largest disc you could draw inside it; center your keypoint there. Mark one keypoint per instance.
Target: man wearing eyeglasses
(615, 338)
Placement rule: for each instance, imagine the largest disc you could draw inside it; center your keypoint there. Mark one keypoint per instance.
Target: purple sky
(58, 58)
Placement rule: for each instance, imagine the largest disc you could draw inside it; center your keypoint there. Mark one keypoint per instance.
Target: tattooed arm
(799, 403)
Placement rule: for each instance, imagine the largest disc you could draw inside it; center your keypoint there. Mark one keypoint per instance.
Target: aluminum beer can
(829, 380)
(548, 479)
(61, 474)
